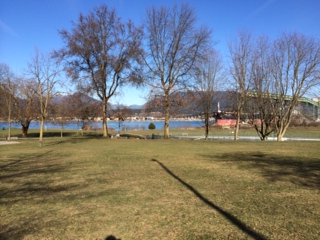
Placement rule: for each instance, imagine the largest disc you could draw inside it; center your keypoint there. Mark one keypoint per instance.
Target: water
(125, 125)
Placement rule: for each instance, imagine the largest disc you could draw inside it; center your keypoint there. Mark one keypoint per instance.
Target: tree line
(168, 54)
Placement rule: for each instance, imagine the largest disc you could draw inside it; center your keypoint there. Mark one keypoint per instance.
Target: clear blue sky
(26, 24)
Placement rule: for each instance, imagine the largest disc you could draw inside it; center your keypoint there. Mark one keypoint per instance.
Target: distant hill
(136, 106)
(61, 97)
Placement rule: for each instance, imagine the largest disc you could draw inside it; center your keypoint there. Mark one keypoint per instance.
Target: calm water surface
(111, 124)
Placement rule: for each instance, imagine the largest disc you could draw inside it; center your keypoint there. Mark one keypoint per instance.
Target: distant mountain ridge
(136, 106)
(61, 97)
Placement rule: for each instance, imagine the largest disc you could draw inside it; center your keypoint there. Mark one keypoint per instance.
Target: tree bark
(25, 128)
(166, 116)
(41, 132)
(9, 126)
(104, 118)
(236, 128)
(206, 125)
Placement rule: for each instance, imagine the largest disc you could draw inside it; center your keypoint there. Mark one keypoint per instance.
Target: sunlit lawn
(87, 188)
(295, 132)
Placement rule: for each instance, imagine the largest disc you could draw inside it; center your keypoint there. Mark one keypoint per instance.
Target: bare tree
(82, 108)
(100, 54)
(173, 44)
(296, 70)
(241, 50)
(261, 103)
(45, 72)
(121, 113)
(27, 103)
(22, 100)
(2, 102)
(8, 89)
(60, 111)
(208, 74)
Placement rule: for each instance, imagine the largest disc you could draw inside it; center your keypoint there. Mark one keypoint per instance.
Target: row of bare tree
(270, 78)
(169, 54)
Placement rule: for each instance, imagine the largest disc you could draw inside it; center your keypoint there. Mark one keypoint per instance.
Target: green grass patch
(84, 187)
(297, 132)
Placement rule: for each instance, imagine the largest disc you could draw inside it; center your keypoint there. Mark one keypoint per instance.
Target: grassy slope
(82, 188)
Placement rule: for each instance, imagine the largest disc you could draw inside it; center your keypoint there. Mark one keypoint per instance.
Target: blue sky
(29, 24)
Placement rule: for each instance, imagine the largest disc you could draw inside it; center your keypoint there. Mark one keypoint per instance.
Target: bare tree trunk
(280, 136)
(281, 131)
(9, 126)
(25, 129)
(104, 127)
(42, 109)
(206, 120)
(41, 132)
(104, 119)
(9, 118)
(236, 128)
(166, 116)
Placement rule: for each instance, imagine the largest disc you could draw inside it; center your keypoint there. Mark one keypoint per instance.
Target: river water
(125, 125)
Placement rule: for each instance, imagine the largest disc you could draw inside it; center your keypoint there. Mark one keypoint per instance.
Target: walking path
(6, 142)
(253, 138)
(230, 138)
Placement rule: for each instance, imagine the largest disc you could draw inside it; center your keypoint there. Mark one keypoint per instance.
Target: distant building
(316, 99)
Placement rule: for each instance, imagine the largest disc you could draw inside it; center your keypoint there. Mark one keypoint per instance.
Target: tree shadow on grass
(238, 223)
(30, 177)
(51, 134)
(27, 173)
(23, 158)
(72, 140)
(18, 230)
(299, 171)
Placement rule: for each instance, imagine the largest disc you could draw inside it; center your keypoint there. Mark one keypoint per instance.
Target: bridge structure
(309, 108)
(306, 108)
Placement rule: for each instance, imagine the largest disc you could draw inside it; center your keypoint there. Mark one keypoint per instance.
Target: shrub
(151, 126)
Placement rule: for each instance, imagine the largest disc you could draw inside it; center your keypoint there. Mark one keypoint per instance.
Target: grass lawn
(295, 132)
(83, 187)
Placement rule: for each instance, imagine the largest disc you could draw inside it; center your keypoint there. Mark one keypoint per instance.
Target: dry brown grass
(87, 188)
